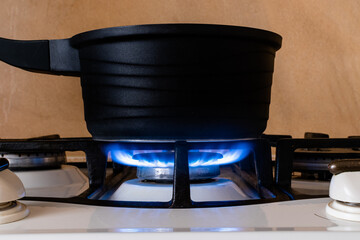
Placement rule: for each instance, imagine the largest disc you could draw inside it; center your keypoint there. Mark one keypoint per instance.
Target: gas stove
(231, 188)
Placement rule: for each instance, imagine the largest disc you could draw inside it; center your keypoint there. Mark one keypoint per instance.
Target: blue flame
(165, 159)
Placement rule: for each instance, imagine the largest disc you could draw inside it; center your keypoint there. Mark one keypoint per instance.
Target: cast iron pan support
(181, 187)
(96, 160)
(96, 165)
(262, 160)
(285, 154)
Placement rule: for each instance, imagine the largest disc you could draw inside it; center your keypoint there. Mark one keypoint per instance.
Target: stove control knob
(345, 183)
(345, 189)
(11, 187)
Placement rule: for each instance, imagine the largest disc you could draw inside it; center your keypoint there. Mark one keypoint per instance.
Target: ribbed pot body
(177, 85)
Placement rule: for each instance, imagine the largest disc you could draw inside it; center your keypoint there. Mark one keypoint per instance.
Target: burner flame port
(158, 165)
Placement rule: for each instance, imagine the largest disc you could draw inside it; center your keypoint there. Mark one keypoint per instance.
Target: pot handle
(56, 57)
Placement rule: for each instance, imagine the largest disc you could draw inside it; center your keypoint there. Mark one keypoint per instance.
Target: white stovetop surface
(296, 219)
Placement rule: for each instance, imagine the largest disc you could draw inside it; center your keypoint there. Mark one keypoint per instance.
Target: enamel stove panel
(291, 219)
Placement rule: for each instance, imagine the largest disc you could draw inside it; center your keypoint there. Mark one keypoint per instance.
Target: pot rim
(177, 29)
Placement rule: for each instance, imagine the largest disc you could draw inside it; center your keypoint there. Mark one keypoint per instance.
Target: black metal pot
(163, 82)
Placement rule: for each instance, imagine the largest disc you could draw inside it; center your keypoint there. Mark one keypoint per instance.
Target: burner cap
(160, 165)
(167, 173)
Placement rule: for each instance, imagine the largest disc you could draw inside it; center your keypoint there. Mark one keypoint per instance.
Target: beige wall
(317, 71)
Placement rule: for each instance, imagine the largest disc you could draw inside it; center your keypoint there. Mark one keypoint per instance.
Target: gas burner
(313, 162)
(302, 163)
(308, 158)
(155, 174)
(34, 161)
(43, 171)
(190, 174)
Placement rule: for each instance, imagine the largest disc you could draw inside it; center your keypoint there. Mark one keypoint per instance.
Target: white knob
(345, 187)
(11, 187)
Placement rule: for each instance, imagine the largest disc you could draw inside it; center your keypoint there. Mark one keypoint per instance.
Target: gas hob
(227, 187)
